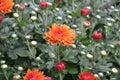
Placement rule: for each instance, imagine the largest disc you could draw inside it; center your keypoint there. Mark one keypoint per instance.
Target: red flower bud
(97, 36)
(48, 78)
(87, 23)
(86, 76)
(1, 18)
(60, 66)
(84, 11)
(118, 43)
(21, 6)
(43, 4)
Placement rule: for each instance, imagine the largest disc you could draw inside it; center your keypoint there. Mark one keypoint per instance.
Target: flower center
(59, 33)
(32, 78)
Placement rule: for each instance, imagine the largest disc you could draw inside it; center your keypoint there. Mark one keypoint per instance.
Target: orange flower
(6, 6)
(34, 74)
(61, 34)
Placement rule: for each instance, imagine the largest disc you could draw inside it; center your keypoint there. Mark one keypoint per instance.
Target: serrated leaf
(50, 64)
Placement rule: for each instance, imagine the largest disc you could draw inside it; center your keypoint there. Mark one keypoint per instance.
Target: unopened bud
(20, 68)
(16, 15)
(114, 70)
(34, 43)
(4, 66)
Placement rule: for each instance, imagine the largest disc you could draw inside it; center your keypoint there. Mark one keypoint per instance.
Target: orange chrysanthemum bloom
(6, 6)
(34, 74)
(60, 34)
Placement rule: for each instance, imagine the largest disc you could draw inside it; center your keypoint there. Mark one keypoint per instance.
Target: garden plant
(59, 39)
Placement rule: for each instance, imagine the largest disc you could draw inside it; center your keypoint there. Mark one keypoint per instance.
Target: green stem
(73, 5)
(60, 75)
(30, 49)
(44, 12)
(5, 75)
(57, 51)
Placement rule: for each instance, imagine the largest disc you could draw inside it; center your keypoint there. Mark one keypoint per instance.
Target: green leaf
(50, 64)
(12, 55)
(72, 69)
(21, 52)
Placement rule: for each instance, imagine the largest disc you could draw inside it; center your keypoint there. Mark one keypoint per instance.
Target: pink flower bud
(118, 43)
(43, 4)
(84, 11)
(60, 66)
(87, 23)
(97, 36)
(21, 6)
(48, 78)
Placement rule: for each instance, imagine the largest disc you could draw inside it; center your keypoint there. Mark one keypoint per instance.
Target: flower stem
(31, 53)
(73, 5)
(57, 51)
(5, 75)
(45, 19)
(60, 75)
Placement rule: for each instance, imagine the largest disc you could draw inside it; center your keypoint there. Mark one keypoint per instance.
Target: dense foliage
(96, 47)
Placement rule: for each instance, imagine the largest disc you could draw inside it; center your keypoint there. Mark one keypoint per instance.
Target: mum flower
(60, 34)
(34, 74)
(6, 6)
(86, 76)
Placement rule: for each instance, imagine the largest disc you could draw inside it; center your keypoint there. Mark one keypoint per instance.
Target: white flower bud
(34, 43)
(14, 35)
(112, 7)
(68, 12)
(2, 61)
(74, 46)
(16, 77)
(112, 46)
(108, 19)
(27, 36)
(109, 24)
(116, 10)
(89, 7)
(96, 75)
(4, 66)
(36, 9)
(33, 12)
(20, 68)
(69, 16)
(16, 15)
(52, 55)
(98, 16)
(98, 10)
(17, 5)
(103, 53)
(114, 70)
(57, 9)
(88, 16)
(90, 56)
(74, 26)
(26, 4)
(38, 58)
(50, 4)
(108, 72)
(14, 24)
(59, 18)
(101, 74)
(82, 52)
(83, 46)
(33, 18)
(113, 20)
